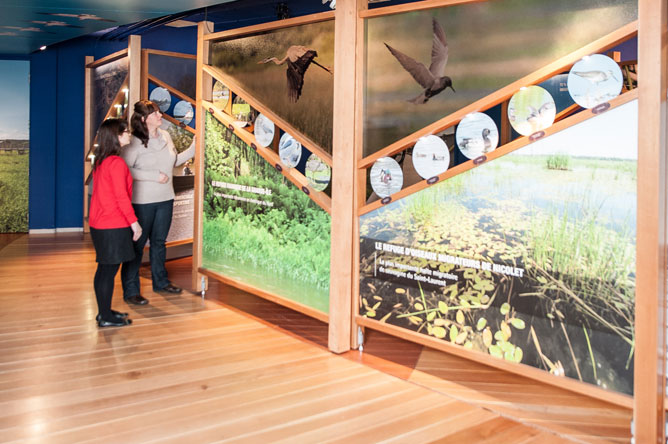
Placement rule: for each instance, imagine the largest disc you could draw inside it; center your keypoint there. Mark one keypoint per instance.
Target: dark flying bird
(433, 79)
(299, 58)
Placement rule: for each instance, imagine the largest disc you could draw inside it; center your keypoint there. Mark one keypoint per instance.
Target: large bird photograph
(290, 71)
(422, 66)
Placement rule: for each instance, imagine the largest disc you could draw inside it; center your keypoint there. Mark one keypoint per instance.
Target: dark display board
(489, 45)
(14, 145)
(177, 72)
(268, 66)
(528, 258)
(107, 82)
(258, 227)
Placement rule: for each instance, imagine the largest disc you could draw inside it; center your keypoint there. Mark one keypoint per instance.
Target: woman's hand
(163, 178)
(136, 231)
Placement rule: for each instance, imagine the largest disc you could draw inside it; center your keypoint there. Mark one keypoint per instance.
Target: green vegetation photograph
(14, 186)
(260, 228)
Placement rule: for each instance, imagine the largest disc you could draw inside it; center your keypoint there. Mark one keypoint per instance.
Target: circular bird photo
(318, 173)
(477, 135)
(289, 150)
(594, 80)
(264, 130)
(531, 109)
(183, 112)
(386, 177)
(221, 95)
(430, 156)
(161, 97)
(242, 112)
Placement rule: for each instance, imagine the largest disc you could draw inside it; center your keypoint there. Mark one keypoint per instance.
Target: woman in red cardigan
(113, 224)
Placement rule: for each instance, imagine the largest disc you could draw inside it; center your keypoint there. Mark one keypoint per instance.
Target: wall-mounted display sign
(430, 156)
(289, 150)
(386, 177)
(318, 173)
(529, 258)
(477, 135)
(257, 224)
(264, 130)
(183, 112)
(161, 97)
(531, 109)
(594, 80)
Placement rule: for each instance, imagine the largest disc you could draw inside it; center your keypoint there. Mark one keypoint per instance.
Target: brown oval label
(306, 190)
(254, 146)
(231, 127)
(278, 168)
(480, 159)
(432, 180)
(537, 135)
(386, 200)
(211, 110)
(182, 125)
(600, 108)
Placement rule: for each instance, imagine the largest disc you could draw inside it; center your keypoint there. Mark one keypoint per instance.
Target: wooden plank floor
(231, 368)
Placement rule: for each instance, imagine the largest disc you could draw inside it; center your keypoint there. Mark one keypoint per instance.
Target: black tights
(104, 289)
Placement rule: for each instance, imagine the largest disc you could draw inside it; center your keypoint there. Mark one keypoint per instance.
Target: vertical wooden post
(346, 24)
(88, 136)
(144, 75)
(650, 324)
(203, 92)
(134, 53)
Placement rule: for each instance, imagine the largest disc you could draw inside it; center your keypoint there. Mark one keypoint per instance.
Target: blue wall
(57, 122)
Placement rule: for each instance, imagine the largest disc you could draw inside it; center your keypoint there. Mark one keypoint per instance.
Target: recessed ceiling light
(42, 48)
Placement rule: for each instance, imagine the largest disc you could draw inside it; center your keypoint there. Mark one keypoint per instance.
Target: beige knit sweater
(146, 164)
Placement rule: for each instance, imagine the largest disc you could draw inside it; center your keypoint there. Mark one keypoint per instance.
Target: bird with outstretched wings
(433, 80)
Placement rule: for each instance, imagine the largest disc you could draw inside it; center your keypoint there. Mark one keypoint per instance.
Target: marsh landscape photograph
(529, 257)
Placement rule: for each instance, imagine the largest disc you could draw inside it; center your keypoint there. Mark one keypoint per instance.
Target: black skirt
(113, 245)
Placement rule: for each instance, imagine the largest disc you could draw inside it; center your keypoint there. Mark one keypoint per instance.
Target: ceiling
(26, 25)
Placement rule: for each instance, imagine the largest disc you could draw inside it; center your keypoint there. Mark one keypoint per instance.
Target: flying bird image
(298, 58)
(596, 77)
(433, 80)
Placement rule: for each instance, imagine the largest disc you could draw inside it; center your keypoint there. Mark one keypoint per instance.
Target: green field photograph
(529, 258)
(258, 227)
(14, 145)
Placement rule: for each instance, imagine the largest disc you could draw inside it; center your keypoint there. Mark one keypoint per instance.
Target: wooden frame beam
(651, 275)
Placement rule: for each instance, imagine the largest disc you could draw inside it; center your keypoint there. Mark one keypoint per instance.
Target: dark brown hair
(139, 129)
(107, 139)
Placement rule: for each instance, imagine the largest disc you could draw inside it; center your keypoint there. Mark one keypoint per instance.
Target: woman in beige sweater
(151, 157)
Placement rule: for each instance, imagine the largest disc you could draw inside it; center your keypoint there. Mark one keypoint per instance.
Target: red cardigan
(111, 206)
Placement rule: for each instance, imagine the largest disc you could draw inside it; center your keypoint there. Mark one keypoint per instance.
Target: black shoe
(117, 323)
(170, 288)
(136, 300)
(116, 314)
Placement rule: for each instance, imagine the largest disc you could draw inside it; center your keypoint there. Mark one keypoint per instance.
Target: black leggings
(104, 289)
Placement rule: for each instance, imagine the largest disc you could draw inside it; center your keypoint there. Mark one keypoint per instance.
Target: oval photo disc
(430, 156)
(289, 150)
(221, 95)
(594, 80)
(264, 130)
(183, 112)
(318, 173)
(386, 177)
(242, 112)
(161, 97)
(531, 109)
(477, 135)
